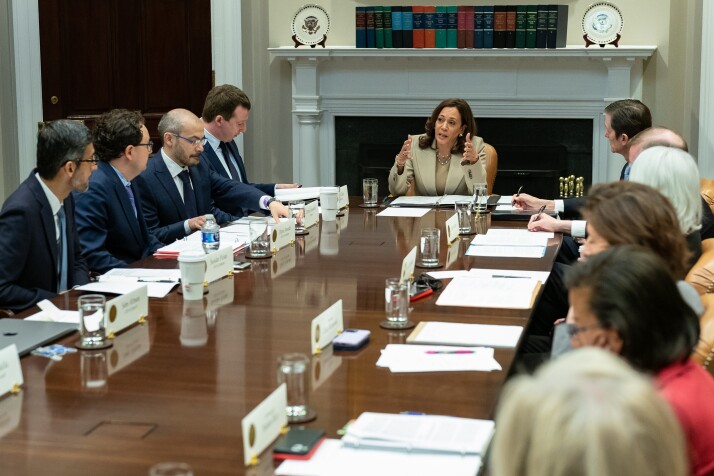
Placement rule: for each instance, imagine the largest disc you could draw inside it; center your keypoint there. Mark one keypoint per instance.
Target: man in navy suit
(178, 188)
(40, 253)
(110, 221)
(225, 115)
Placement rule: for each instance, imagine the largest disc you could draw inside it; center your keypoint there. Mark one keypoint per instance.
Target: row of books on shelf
(500, 26)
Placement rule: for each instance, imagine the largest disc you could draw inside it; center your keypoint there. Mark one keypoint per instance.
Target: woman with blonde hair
(587, 413)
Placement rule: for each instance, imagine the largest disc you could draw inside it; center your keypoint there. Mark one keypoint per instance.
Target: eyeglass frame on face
(574, 330)
(149, 145)
(203, 140)
(93, 160)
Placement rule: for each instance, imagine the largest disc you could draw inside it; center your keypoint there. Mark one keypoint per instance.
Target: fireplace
(564, 89)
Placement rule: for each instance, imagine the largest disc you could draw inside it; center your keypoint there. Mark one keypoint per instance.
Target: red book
(418, 32)
(429, 26)
(469, 26)
(460, 27)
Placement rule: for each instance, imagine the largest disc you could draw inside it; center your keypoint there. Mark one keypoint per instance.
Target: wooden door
(147, 55)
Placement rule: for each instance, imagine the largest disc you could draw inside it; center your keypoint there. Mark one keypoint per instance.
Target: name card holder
(408, 266)
(10, 371)
(452, 228)
(219, 264)
(282, 235)
(126, 310)
(312, 214)
(343, 198)
(264, 424)
(325, 327)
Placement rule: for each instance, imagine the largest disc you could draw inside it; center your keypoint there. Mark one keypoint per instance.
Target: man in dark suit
(110, 221)
(178, 188)
(225, 115)
(40, 254)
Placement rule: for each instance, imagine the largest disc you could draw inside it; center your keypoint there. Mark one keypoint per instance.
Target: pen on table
(434, 352)
(148, 280)
(506, 276)
(540, 212)
(513, 202)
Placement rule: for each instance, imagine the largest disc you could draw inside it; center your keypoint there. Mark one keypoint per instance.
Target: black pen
(513, 202)
(540, 212)
(504, 276)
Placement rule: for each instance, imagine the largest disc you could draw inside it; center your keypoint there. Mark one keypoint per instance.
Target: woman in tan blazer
(448, 159)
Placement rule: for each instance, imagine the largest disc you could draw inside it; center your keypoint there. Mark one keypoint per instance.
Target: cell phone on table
(351, 339)
(299, 443)
(239, 264)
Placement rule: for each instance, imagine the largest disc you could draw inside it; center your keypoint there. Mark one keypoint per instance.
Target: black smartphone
(298, 443)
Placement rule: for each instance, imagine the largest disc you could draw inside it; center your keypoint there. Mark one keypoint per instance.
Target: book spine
(488, 27)
(387, 13)
(407, 27)
(371, 34)
(542, 26)
(499, 26)
(478, 27)
(552, 26)
(360, 27)
(469, 13)
(418, 37)
(397, 27)
(452, 25)
(440, 27)
(562, 35)
(511, 26)
(521, 26)
(461, 27)
(379, 27)
(531, 25)
(429, 27)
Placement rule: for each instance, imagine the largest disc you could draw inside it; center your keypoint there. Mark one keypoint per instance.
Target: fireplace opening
(532, 153)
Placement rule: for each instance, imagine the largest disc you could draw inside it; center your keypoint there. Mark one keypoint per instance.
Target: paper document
(515, 232)
(516, 240)
(158, 282)
(302, 193)
(403, 212)
(333, 458)
(50, 312)
(419, 433)
(502, 293)
(501, 251)
(448, 274)
(458, 334)
(193, 243)
(541, 276)
(431, 201)
(505, 200)
(437, 358)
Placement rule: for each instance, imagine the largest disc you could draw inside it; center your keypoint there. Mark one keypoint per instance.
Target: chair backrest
(491, 169)
(701, 276)
(706, 189)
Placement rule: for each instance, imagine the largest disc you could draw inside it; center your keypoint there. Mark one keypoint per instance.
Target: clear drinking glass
(370, 191)
(463, 211)
(480, 198)
(92, 325)
(259, 238)
(297, 211)
(429, 244)
(293, 370)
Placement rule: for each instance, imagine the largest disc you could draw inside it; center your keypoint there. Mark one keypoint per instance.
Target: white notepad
(458, 334)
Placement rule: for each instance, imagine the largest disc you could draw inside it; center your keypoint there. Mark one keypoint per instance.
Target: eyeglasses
(93, 160)
(193, 142)
(149, 145)
(574, 330)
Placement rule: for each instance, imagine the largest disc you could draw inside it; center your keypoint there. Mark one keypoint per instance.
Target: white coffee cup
(328, 203)
(193, 272)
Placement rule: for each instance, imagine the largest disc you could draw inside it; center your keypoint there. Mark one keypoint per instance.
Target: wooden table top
(178, 386)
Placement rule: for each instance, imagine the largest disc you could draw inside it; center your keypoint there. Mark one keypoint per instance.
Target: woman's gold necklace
(442, 160)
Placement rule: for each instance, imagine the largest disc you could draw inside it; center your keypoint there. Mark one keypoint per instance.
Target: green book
(440, 27)
(379, 26)
(452, 31)
(387, 14)
(531, 23)
(521, 26)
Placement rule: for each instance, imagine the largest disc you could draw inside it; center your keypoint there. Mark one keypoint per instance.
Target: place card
(126, 310)
(10, 411)
(325, 327)
(282, 262)
(264, 424)
(452, 228)
(408, 265)
(324, 365)
(219, 264)
(10, 371)
(343, 197)
(128, 348)
(312, 214)
(282, 235)
(452, 252)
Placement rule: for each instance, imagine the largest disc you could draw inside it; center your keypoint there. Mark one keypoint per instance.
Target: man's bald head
(655, 136)
(175, 120)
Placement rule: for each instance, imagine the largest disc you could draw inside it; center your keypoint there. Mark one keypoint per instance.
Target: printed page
(458, 334)
(501, 251)
(403, 212)
(489, 292)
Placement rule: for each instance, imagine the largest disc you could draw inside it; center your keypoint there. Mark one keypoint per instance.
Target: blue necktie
(131, 197)
(189, 198)
(227, 156)
(626, 175)
(62, 255)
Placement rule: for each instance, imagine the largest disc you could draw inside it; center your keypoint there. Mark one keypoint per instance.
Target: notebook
(28, 335)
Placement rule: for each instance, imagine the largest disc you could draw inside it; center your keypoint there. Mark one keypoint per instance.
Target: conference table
(176, 387)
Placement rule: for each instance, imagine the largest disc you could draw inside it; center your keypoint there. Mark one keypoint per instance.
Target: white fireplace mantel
(572, 82)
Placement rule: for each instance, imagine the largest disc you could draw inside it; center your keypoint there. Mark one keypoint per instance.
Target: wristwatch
(269, 201)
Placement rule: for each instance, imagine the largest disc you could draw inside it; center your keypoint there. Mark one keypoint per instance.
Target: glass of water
(297, 211)
(480, 197)
(396, 304)
(369, 192)
(293, 370)
(429, 247)
(92, 324)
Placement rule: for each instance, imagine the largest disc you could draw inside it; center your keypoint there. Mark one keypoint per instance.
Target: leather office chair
(491, 169)
(4, 313)
(701, 277)
(706, 188)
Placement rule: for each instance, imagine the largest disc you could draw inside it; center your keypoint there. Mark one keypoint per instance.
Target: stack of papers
(429, 201)
(50, 312)
(302, 193)
(230, 237)
(158, 282)
(505, 293)
(509, 242)
(435, 358)
(403, 212)
(458, 334)
(334, 458)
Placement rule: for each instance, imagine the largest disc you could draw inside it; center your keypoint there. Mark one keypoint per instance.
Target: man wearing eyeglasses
(225, 117)
(40, 254)
(110, 221)
(178, 188)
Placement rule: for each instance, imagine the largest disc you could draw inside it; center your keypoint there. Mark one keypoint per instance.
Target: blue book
(488, 26)
(360, 27)
(407, 27)
(371, 33)
(397, 27)
(478, 27)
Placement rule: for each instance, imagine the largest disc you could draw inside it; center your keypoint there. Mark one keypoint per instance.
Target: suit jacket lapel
(123, 198)
(163, 176)
(48, 221)
(424, 161)
(210, 154)
(234, 150)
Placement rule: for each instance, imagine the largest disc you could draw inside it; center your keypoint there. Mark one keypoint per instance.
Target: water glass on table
(463, 211)
(259, 235)
(293, 370)
(480, 197)
(396, 304)
(297, 211)
(370, 189)
(92, 322)
(429, 247)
